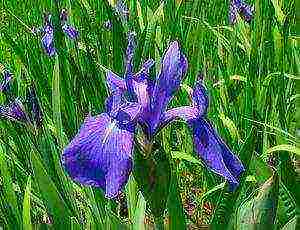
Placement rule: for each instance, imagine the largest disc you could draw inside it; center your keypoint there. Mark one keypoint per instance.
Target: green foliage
(153, 174)
(259, 212)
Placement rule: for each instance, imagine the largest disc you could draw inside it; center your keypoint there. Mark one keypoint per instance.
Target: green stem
(159, 223)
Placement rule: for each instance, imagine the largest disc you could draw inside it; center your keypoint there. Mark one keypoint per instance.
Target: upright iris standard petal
(214, 152)
(174, 66)
(142, 85)
(117, 87)
(5, 84)
(48, 38)
(100, 154)
(14, 111)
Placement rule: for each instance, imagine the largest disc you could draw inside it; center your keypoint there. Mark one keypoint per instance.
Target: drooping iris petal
(70, 31)
(14, 111)
(197, 109)
(174, 66)
(214, 152)
(100, 154)
(5, 84)
(48, 40)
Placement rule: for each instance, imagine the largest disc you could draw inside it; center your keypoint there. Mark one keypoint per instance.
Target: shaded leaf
(260, 211)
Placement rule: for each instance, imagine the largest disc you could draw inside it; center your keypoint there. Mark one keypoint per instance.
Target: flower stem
(159, 223)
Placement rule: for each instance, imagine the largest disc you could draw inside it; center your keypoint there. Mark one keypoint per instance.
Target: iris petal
(114, 82)
(197, 109)
(247, 12)
(174, 66)
(239, 7)
(100, 155)
(214, 152)
(5, 84)
(70, 31)
(117, 87)
(233, 12)
(48, 40)
(142, 84)
(14, 111)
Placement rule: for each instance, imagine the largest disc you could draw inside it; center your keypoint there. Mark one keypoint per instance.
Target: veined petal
(214, 152)
(115, 83)
(100, 155)
(128, 113)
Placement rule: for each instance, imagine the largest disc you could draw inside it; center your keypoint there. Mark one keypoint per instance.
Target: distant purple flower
(122, 10)
(101, 153)
(239, 7)
(107, 25)
(5, 84)
(48, 32)
(48, 36)
(69, 30)
(34, 107)
(14, 111)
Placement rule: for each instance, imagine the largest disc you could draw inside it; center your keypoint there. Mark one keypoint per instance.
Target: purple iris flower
(69, 30)
(5, 84)
(48, 36)
(239, 7)
(48, 32)
(122, 10)
(100, 155)
(14, 111)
